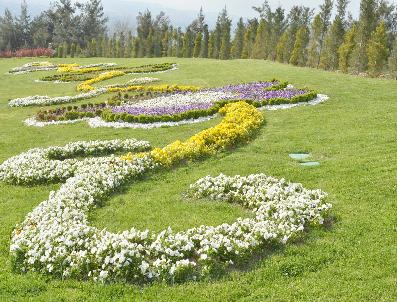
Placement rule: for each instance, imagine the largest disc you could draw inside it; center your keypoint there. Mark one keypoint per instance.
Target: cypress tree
(262, 37)
(281, 48)
(249, 38)
(65, 49)
(330, 58)
(149, 45)
(128, 46)
(366, 25)
(346, 49)
(204, 43)
(93, 48)
(60, 51)
(299, 53)
(165, 44)
(299, 16)
(187, 44)
(211, 45)
(238, 41)
(276, 31)
(393, 61)
(224, 52)
(325, 15)
(104, 43)
(197, 45)
(78, 50)
(377, 50)
(72, 50)
(314, 44)
(121, 45)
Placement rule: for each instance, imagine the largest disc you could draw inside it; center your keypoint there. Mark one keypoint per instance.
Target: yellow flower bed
(158, 88)
(239, 122)
(67, 67)
(87, 85)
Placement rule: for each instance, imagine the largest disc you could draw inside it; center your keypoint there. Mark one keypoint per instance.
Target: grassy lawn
(353, 136)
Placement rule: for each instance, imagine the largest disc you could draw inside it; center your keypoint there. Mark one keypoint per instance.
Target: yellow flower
(239, 123)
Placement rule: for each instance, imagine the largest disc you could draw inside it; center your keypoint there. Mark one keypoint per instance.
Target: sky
(240, 7)
(181, 12)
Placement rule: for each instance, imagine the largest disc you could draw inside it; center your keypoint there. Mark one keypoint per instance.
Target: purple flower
(171, 110)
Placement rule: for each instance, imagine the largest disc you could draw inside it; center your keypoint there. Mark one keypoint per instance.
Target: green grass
(353, 136)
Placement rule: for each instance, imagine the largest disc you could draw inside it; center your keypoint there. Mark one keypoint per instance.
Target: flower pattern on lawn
(56, 237)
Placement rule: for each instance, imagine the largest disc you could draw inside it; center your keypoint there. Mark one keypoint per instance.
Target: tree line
(331, 39)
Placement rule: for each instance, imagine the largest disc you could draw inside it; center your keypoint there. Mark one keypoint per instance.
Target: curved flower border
(98, 122)
(56, 237)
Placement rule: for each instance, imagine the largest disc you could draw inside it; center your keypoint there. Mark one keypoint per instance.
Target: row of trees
(63, 22)
(298, 37)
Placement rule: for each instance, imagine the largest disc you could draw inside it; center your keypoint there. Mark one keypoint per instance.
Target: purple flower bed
(249, 91)
(138, 110)
(256, 91)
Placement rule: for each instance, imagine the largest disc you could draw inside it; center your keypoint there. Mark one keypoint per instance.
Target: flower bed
(73, 72)
(54, 164)
(180, 106)
(56, 238)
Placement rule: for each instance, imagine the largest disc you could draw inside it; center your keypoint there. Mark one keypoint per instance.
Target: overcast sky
(241, 7)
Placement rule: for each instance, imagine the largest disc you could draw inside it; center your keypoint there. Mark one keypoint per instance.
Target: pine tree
(204, 43)
(23, 27)
(346, 49)
(314, 43)
(393, 61)
(330, 58)
(92, 20)
(238, 41)
(8, 31)
(299, 53)
(377, 50)
(281, 48)
(262, 37)
(197, 45)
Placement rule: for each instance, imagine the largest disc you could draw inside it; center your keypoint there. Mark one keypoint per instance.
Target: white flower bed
(33, 66)
(47, 66)
(134, 81)
(97, 122)
(56, 237)
(184, 99)
(42, 165)
(321, 98)
(46, 100)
